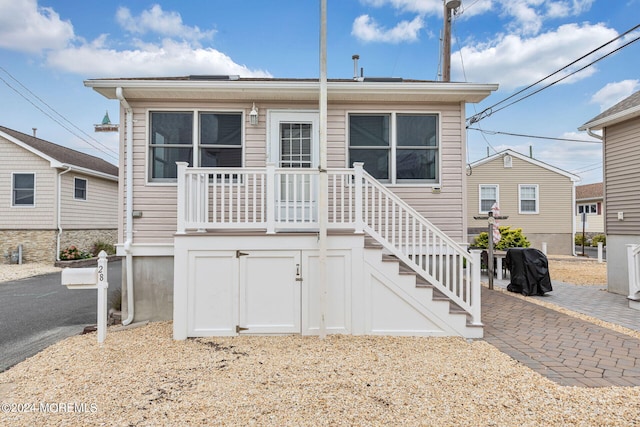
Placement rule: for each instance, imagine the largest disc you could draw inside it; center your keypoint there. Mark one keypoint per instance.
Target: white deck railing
(633, 265)
(280, 199)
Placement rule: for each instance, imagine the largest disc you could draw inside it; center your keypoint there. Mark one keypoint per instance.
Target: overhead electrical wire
(492, 132)
(491, 110)
(67, 126)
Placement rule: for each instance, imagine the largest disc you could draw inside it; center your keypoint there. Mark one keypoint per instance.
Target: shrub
(103, 246)
(599, 238)
(509, 239)
(581, 239)
(73, 252)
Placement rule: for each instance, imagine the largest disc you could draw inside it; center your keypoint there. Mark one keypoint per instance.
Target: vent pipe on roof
(355, 66)
(34, 131)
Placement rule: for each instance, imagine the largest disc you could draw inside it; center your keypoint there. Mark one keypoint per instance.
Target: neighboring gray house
(52, 197)
(537, 197)
(620, 126)
(222, 196)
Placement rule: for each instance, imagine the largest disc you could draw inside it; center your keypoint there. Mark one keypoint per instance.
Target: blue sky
(48, 47)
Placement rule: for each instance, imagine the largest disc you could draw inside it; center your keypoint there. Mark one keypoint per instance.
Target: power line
(492, 132)
(53, 110)
(490, 110)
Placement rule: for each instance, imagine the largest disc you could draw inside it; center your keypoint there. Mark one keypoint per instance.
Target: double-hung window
(488, 196)
(23, 189)
(396, 147)
(80, 189)
(218, 141)
(528, 198)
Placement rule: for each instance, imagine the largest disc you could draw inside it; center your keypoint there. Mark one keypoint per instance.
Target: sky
(48, 48)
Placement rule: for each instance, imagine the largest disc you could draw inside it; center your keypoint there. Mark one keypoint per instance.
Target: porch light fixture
(253, 115)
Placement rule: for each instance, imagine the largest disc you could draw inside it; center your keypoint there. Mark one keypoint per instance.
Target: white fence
(282, 199)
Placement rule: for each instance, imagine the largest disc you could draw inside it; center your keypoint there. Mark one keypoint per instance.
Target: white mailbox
(80, 278)
(91, 278)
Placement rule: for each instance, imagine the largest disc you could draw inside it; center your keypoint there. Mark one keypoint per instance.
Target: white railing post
(270, 194)
(632, 267)
(182, 197)
(475, 287)
(358, 182)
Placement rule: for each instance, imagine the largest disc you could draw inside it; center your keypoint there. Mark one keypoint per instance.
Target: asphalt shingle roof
(625, 104)
(589, 191)
(63, 154)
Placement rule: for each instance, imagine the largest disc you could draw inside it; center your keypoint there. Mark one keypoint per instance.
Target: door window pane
(295, 145)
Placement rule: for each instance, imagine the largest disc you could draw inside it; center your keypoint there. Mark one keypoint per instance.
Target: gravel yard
(143, 377)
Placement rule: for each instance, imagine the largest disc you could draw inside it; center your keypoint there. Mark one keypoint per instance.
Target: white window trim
(195, 160)
(392, 182)
(86, 189)
(497, 187)
(13, 188)
(589, 204)
(520, 211)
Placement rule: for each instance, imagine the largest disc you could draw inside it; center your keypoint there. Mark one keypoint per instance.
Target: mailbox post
(92, 278)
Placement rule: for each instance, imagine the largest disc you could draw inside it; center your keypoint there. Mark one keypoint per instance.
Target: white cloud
(156, 20)
(171, 58)
(416, 6)
(367, 29)
(514, 61)
(613, 93)
(26, 27)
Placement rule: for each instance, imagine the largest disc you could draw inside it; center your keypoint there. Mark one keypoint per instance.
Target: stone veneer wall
(37, 245)
(40, 245)
(85, 239)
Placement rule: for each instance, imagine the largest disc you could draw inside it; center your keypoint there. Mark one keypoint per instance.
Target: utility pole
(449, 6)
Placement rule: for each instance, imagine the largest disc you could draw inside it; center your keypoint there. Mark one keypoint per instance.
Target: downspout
(59, 212)
(128, 205)
(595, 135)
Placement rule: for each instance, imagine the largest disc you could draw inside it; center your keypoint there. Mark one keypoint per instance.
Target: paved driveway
(38, 311)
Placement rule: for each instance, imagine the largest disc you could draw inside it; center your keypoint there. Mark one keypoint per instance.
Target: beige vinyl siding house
(411, 134)
(620, 126)
(536, 197)
(157, 201)
(53, 197)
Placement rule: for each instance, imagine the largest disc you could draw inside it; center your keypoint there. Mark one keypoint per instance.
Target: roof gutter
(128, 205)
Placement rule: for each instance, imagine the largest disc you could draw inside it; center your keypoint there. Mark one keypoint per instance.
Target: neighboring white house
(223, 207)
(620, 126)
(52, 197)
(590, 202)
(537, 197)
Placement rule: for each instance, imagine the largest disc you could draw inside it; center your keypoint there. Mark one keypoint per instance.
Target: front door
(294, 144)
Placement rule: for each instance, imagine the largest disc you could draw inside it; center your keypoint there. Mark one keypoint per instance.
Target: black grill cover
(529, 271)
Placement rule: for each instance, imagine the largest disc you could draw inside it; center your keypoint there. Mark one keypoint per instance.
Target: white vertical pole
(544, 248)
(324, 183)
(632, 266)
(599, 251)
(103, 285)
